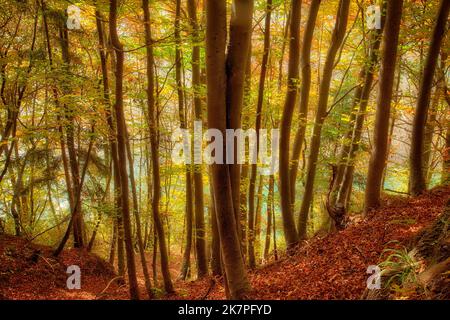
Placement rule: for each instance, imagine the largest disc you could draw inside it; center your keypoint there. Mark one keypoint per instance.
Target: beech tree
(417, 177)
(388, 62)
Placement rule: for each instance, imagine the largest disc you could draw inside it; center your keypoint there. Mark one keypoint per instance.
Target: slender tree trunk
(259, 203)
(70, 137)
(153, 131)
(216, 34)
(200, 241)
(389, 56)
(121, 144)
(417, 182)
(216, 266)
(186, 264)
(148, 285)
(259, 106)
(321, 113)
(345, 167)
(305, 65)
(269, 218)
(112, 249)
(290, 232)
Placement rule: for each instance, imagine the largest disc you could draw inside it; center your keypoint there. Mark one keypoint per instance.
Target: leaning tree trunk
(321, 113)
(379, 154)
(417, 182)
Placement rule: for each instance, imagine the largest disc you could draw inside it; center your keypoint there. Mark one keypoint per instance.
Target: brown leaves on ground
(332, 267)
(29, 271)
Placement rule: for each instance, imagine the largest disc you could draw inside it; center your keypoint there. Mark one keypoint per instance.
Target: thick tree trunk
(216, 34)
(290, 232)
(417, 182)
(121, 139)
(379, 154)
(153, 129)
(236, 61)
(321, 113)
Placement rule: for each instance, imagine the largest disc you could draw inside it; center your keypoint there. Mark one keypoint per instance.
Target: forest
(224, 149)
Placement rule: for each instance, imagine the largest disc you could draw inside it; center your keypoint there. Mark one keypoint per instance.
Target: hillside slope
(332, 267)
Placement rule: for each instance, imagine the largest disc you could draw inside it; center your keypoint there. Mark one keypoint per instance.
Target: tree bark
(321, 113)
(305, 65)
(200, 241)
(121, 139)
(417, 183)
(216, 34)
(186, 264)
(290, 232)
(389, 56)
(259, 106)
(153, 131)
(236, 61)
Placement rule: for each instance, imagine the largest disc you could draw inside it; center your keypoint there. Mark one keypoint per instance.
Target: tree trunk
(153, 131)
(259, 106)
(321, 113)
(121, 139)
(186, 264)
(236, 61)
(290, 232)
(200, 241)
(216, 34)
(345, 167)
(269, 218)
(305, 65)
(417, 182)
(389, 56)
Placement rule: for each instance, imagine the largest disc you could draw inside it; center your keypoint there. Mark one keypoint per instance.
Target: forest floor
(329, 267)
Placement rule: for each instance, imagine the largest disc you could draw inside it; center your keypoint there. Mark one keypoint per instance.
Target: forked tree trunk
(379, 154)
